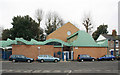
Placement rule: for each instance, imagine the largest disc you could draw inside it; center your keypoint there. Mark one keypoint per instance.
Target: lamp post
(39, 50)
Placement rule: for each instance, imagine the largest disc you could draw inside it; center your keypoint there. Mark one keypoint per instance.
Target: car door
(46, 58)
(17, 58)
(22, 58)
(12, 57)
(110, 57)
(103, 57)
(106, 57)
(85, 57)
(51, 58)
(88, 57)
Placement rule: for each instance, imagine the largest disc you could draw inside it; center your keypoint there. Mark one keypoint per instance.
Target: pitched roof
(110, 37)
(84, 39)
(62, 31)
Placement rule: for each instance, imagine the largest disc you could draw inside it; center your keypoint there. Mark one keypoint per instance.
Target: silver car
(43, 58)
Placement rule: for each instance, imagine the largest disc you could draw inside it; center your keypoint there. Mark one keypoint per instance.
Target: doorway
(67, 53)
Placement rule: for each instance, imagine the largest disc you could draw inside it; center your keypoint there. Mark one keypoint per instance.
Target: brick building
(67, 42)
(113, 43)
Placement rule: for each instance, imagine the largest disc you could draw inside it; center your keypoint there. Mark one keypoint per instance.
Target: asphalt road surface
(61, 67)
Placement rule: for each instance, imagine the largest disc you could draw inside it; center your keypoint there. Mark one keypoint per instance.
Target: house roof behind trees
(110, 37)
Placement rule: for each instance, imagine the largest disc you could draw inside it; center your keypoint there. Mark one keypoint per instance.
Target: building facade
(67, 42)
(113, 43)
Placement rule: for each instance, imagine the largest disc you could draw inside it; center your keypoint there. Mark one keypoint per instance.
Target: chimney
(114, 33)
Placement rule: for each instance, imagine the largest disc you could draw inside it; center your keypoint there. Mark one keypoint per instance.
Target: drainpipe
(39, 50)
(114, 48)
(107, 50)
(109, 47)
(119, 46)
(4, 52)
(72, 54)
(62, 53)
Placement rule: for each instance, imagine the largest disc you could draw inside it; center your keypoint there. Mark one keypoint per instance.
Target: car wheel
(28, 61)
(112, 59)
(102, 59)
(82, 60)
(41, 60)
(56, 61)
(13, 61)
(93, 59)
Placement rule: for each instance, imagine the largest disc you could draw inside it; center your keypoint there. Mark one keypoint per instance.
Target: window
(109, 55)
(71, 39)
(84, 56)
(105, 56)
(68, 33)
(17, 56)
(45, 55)
(117, 43)
(40, 55)
(53, 43)
(12, 56)
(22, 56)
(20, 43)
(87, 56)
(49, 56)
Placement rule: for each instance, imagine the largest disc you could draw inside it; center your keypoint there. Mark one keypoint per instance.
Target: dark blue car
(107, 57)
(118, 57)
(22, 58)
(84, 57)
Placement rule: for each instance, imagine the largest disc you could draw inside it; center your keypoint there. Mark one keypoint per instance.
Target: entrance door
(66, 55)
(111, 52)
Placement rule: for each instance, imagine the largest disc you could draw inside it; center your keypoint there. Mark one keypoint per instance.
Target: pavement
(61, 67)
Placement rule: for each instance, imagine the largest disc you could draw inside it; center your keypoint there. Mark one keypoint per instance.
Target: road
(61, 67)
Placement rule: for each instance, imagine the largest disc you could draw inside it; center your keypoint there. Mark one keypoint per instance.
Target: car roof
(43, 55)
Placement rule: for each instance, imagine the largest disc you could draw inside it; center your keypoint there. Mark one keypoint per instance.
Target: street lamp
(39, 50)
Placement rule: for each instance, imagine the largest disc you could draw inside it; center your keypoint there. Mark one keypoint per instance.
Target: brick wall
(92, 51)
(61, 33)
(32, 51)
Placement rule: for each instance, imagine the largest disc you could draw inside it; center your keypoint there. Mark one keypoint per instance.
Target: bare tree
(87, 23)
(39, 15)
(53, 22)
(1, 30)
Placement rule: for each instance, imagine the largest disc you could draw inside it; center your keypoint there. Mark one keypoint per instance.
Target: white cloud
(102, 11)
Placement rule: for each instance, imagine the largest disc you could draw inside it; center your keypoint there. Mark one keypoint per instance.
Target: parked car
(118, 57)
(107, 57)
(84, 57)
(43, 58)
(22, 58)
